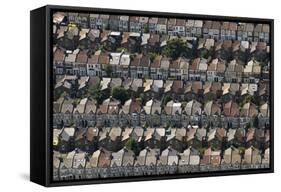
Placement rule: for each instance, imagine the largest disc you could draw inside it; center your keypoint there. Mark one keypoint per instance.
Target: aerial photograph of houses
(149, 96)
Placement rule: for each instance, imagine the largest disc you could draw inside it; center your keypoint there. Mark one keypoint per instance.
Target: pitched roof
(145, 61)
(201, 133)
(91, 106)
(57, 105)
(151, 157)
(80, 108)
(93, 59)
(115, 133)
(79, 160)
(193, 107)
(67, 106)
(154, 38)
(67, 133)
(59, 55)
(117, 158)
(191, 133)
(104, 158)
(104, 58)
(148, 134)
(128, 157)
(156, 62)
(230, 134)
(196, 86)
(212, 108)
(231, 109)
(91, 133)
(169, 156)
(137, 134)
(177, 86)
(136, 84)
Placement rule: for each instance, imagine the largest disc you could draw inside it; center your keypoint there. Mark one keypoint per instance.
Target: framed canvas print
(122, 95)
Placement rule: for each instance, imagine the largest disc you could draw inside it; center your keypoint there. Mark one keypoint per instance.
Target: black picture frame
(41, 95)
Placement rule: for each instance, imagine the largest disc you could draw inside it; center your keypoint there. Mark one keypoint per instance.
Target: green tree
(176, 48)
(95, 93)
(245, 99)
(166, 99)
(108, 69)
(242, 150)
(58, 93)
(132, 145)
(203, 53)
(152, 56)
(256, 100)
(76, 101)
(120, 49)
(201, 151)
(141, 99)
(209, 97)
(120, 93)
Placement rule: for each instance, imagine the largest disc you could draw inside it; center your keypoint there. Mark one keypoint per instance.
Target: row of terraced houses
(103, 163)
(186, 104)
(139, 65)
(170, 26)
